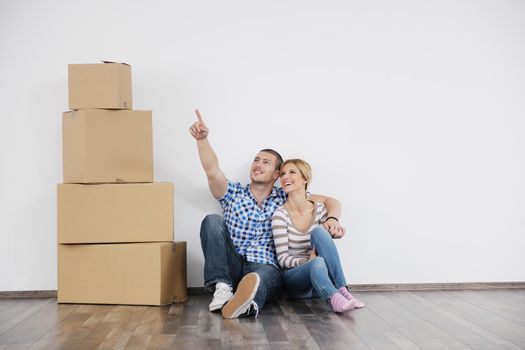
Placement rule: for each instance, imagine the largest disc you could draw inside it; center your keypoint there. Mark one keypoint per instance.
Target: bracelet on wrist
(331, 217)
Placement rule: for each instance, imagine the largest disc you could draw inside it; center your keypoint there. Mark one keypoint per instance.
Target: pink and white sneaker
(344, 292)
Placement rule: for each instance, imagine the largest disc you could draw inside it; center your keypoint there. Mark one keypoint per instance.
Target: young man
(239, 253)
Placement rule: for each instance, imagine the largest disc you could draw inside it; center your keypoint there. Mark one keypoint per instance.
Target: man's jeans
(322, 276)
(222, 263)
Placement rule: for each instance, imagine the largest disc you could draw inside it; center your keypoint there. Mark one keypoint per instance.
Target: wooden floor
(489, 319)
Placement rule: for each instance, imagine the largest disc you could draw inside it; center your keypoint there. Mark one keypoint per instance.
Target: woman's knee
(319, 234)
(318, 264)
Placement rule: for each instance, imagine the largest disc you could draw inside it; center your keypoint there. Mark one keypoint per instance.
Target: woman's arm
(333, 207)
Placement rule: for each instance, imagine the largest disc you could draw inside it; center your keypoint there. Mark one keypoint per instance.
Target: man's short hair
(277, 155)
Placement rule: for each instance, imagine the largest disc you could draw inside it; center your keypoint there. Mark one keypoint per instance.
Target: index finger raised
(199, 117)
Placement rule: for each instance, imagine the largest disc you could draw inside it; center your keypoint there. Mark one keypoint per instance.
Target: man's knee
(271, 282)
(211, 225)
(212, 219)
(269, 275)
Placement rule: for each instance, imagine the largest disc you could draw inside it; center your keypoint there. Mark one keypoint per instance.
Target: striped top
(293, 246)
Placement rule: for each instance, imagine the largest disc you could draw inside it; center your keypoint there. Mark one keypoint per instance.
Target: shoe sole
(216, 307)
(245, 293)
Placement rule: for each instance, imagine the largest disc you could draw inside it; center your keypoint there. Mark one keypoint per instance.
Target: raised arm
(216, 179)
(333, 207)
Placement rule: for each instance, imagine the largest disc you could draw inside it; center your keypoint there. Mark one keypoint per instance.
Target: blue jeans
(222, 263)
(322, 276)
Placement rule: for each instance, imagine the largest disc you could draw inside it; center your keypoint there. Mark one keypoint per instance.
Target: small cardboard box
(101, 146)
(101, 85)
(133, 274)
(114, 213)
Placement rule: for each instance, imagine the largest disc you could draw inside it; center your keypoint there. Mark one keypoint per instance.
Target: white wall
(410, 112)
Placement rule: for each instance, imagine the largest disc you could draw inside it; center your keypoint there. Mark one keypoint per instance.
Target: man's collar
(274, 193)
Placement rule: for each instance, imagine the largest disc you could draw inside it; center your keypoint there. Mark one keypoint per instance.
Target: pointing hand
(198, 129)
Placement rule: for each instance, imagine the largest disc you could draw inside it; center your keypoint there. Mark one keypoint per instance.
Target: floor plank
(73, 329)
(491, 323)
(490, 302)
(519, 293)
(296, 332)
(19, 311)
(31, 329)
(5, 303)
(491, 319)
(416, 329)
(328, 329)
(118, 326)
(373, 330)
(153, 321)
(507, 296)
(429, 310)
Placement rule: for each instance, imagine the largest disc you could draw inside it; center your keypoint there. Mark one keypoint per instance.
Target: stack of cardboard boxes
(115, 226)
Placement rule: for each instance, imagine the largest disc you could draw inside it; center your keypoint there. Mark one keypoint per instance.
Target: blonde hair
(303, 167)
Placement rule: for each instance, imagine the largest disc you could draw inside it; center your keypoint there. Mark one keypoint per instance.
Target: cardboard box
(180, 279)
(100, 85)
(134, 274)
(113, 213)
(107, 146)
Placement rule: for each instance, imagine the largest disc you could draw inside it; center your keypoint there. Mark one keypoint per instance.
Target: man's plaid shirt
(250, 226)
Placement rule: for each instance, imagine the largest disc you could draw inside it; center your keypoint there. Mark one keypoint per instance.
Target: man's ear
(276, 175)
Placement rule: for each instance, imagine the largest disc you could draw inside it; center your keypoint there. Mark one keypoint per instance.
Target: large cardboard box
(107, 146)
(112, 213)
(135, 274)
(180, 279)
(100, 85)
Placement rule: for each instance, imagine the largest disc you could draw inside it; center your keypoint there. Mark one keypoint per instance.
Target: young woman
(305, 250)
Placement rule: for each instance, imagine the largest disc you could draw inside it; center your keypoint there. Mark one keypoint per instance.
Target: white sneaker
(223, 293)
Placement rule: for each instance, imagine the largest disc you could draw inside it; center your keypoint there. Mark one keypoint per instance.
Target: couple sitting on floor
(269, 236)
